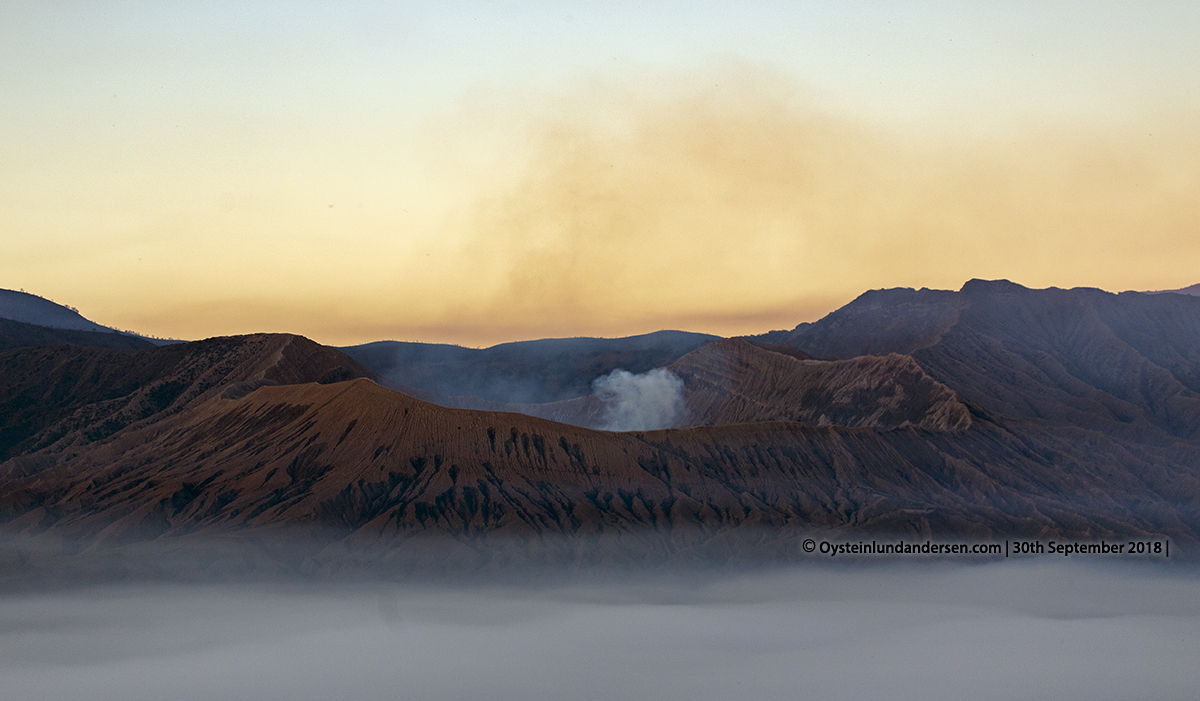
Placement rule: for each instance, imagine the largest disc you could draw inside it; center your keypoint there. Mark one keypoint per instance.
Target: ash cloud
(741, 199)
(645, 402)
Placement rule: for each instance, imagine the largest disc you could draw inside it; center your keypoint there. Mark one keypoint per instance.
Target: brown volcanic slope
(237, 436)
(365, 469)
(55, 398)
(736, 381)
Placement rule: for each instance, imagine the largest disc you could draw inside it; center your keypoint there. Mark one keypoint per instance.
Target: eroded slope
(371, 468)
(736, 381)
(53, 399)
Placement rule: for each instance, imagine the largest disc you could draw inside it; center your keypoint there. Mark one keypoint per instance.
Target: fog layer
(1008, 630)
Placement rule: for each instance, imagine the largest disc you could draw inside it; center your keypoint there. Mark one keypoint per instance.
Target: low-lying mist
(1004, 630)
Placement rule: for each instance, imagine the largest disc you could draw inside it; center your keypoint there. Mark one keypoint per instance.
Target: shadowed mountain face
(55, 398)
(736, 381)
(878, 322)
(526, 372)
(1127, 364)
(15, 334)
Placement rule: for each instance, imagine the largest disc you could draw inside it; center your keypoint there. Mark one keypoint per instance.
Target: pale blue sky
(171, 166)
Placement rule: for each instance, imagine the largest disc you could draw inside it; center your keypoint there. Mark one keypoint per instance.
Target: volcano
(995, 411)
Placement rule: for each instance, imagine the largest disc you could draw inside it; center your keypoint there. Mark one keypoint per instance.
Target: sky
(478, 173)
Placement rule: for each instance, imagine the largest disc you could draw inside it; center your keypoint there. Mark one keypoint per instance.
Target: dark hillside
(16, 334)
(1125, 363)
(70, 395)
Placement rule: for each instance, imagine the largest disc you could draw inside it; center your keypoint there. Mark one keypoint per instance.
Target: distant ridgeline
(992, 412)
(546, 370)
(31, 309)
(56, 320)
(1193, 290)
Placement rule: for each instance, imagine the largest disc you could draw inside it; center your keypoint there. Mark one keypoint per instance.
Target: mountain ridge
(1193, 290)
(28, 308)
(61, 396)
(1127, 362)
(1025, 413)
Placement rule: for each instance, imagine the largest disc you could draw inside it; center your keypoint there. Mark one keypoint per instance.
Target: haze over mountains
(736, 380)
(989, 412)
(546, 370)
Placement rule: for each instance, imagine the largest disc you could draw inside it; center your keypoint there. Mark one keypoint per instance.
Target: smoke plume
(745, 202)
(643, 402)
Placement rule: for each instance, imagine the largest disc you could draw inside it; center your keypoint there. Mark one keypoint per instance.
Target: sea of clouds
(1028, 629)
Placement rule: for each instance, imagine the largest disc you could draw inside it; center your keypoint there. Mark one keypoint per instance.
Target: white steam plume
(640, 402)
